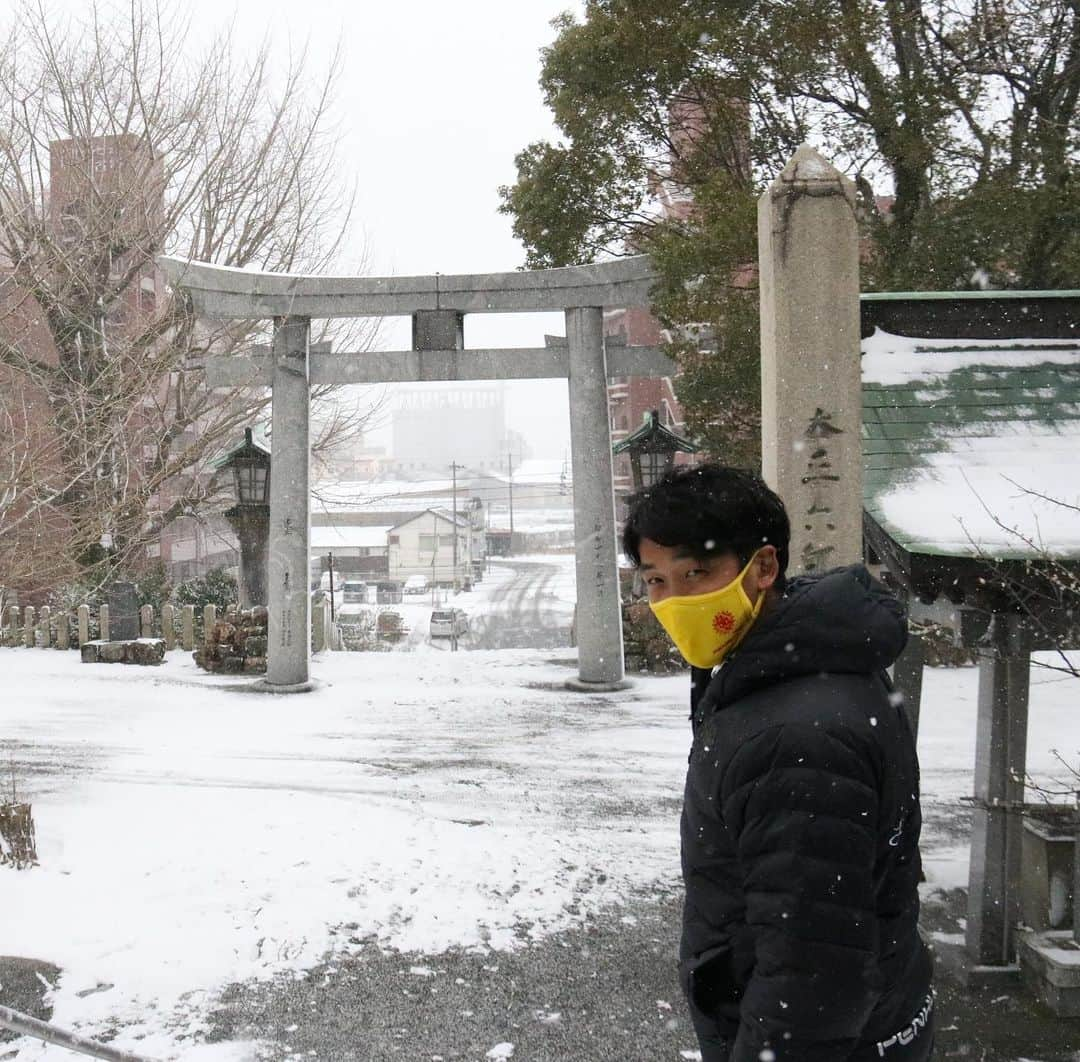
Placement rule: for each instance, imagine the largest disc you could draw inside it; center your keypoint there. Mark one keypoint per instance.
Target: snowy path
(193, 835)
(212, 835)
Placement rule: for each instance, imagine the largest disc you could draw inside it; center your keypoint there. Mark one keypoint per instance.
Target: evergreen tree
(964, 113)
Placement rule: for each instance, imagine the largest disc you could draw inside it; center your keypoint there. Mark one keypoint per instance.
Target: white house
(424, 545)
(357, 551)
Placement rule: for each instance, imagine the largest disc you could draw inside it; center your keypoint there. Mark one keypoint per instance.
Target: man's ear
(768, 567)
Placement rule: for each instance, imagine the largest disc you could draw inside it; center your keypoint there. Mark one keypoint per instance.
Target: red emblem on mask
(723, 622)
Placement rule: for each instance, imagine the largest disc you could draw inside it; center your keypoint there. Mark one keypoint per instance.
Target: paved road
(524, 613)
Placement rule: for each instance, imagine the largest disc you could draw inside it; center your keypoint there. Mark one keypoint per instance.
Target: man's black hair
(710, 510)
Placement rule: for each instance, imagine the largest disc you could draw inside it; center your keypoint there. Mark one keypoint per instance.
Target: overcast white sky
(435, 100)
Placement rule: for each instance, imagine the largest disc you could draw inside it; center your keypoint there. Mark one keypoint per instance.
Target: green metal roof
(971, 447)
(952, 296)
(653, 437)
(254, 440)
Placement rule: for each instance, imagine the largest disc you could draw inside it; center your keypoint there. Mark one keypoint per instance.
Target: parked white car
(416, 584)
(448, 622)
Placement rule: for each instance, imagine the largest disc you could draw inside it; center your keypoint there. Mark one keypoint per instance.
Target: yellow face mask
(706, 627)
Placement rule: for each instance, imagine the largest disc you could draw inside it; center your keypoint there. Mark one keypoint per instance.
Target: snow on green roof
(970, 447)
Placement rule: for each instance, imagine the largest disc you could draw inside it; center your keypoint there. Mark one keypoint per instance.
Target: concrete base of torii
(581, 686)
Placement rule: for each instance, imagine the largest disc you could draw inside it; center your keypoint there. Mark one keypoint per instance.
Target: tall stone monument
(123, 602)
(811, 385)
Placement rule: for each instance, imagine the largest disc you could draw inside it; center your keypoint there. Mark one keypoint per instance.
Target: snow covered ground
(191, 834)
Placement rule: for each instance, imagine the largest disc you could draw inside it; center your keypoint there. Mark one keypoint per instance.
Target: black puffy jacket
(800, 834)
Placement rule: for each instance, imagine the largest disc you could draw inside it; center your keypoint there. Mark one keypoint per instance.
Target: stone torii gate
(437, 305)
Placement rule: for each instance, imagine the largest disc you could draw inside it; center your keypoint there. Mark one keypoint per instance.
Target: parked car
(390, 626)
(448, 623)
(387, 593)
(339, 582)
(416, 584)
(354, 590)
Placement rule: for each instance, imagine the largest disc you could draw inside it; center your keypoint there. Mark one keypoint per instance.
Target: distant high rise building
(430, 428)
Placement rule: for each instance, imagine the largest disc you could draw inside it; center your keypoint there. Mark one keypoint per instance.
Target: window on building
(427, 543)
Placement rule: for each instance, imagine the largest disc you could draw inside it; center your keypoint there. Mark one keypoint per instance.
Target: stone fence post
(168, 626)
(146, 621)
(9, 635)
(209, 619)
(811, 381)
(84, 625)
(45, 625)
(103, 623)
(28, 627)
(187, 628)
(63, 630)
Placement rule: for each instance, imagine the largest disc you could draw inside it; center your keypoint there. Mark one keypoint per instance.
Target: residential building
(430, 544)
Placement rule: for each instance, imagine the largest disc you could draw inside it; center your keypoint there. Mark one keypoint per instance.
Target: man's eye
(653, 580)
(697, 573)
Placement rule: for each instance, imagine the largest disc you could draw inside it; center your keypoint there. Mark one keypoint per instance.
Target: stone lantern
(250, 516)
(652, 449)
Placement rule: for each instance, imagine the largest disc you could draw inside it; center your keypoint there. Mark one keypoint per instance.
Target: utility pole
(434, 554)
(510, 484)
(454, 466)
(330, 561)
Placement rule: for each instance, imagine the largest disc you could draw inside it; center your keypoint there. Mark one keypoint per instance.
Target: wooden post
(84, 625)
(318, 628)
(63, 630)
(811, 382)
(908, 678)
(1000, 765)
(209, 619)
(1076, 872)
(146, 621)
(168, 628)
(187, 628)
(103, 622)
(28, 627)
(43, 623)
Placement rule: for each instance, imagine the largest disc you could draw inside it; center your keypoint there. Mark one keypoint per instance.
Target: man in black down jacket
(800, 826)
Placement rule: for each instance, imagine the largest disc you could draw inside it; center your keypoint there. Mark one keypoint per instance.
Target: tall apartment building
(630, 398)
(462, 423)
(104, 206)
(104, 196)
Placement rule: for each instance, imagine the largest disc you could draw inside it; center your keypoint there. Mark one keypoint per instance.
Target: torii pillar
(289, 631)
(599, 612)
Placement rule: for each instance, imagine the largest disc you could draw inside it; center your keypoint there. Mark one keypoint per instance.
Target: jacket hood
(841, 621)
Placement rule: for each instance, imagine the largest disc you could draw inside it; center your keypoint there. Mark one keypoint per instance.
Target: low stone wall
(145, 651)
(237, 644)
(646, 646)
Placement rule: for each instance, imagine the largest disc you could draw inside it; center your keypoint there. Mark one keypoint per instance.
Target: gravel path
(605, 992)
